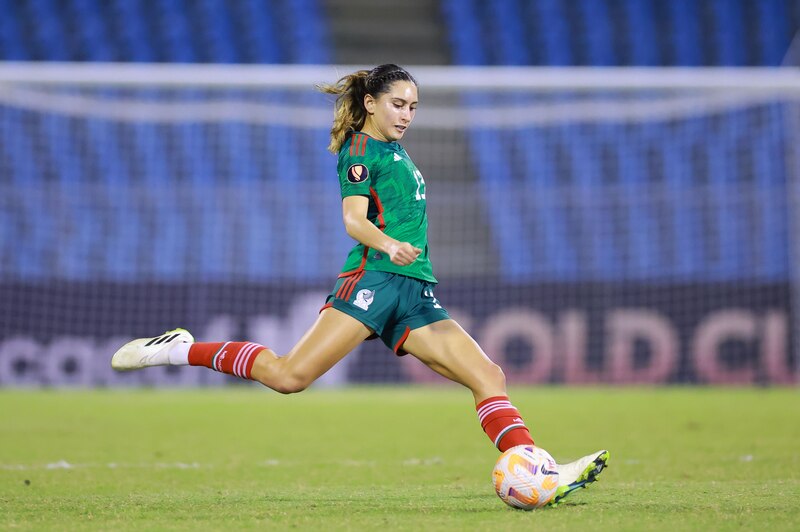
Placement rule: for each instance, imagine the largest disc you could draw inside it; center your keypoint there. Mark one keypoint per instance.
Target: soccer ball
(525, 477)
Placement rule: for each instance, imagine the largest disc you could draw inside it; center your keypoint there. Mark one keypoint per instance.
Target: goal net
(587, 226)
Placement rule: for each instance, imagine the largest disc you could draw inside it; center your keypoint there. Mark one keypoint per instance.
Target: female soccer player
(386, 288)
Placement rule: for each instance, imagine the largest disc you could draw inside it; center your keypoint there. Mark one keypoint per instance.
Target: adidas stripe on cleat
(579, 474)
(146, 352)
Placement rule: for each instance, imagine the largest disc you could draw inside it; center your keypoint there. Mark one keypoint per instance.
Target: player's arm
(354, 212)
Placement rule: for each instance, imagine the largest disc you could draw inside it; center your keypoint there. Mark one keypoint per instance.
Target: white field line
(64, 464)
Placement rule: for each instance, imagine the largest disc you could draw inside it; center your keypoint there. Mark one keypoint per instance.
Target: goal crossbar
(482, 78)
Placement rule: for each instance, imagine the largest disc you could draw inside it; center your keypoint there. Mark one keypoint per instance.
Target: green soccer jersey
(384, 173)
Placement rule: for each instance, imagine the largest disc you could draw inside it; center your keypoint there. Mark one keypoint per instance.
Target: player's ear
(369, 104)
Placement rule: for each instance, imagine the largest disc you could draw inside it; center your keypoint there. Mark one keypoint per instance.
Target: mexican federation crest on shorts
(364, 299)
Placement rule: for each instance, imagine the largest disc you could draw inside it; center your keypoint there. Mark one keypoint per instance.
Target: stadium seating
(91, 161)
(561, 245)
(502, 32)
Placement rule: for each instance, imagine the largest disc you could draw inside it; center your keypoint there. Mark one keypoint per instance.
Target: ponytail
(349, 113)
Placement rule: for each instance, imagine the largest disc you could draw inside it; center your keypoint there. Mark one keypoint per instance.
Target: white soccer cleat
(579, 474)
(146, 352)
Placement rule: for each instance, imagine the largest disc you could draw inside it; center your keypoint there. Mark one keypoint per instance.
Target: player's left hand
(403, 253)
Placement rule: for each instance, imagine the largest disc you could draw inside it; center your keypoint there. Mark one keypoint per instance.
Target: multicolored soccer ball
(525, 477)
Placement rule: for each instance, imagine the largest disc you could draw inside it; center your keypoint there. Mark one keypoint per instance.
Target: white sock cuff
(179, 354)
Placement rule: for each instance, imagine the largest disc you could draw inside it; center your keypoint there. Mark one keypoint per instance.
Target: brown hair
(349, 113)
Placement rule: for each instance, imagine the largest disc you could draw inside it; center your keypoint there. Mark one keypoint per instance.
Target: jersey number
(420, 195)
(429, 293)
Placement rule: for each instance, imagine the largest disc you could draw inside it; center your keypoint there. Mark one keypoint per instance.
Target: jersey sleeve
(356, 171)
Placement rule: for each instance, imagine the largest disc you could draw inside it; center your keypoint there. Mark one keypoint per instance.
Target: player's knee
(280, 374)
(490, 381)
(494, 376)
(292, 382)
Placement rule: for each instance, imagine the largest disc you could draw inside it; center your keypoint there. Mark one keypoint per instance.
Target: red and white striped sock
(234, 358)
(503, 423)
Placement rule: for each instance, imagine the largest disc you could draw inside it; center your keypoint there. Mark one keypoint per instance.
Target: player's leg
(450, 351)
(447, 349)
(332, 336)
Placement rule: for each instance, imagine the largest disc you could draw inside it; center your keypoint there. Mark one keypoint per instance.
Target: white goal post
(438, 78)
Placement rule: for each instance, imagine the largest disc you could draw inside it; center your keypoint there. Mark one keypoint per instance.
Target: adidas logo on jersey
(397, 157)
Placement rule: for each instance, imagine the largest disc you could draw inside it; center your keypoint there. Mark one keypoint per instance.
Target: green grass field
(391, 459)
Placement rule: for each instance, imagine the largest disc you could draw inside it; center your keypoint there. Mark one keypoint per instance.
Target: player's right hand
(403, 253)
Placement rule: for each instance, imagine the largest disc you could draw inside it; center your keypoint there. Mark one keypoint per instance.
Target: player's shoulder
(360, 146)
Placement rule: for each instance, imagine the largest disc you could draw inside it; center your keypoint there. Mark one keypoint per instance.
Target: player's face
(392, 112)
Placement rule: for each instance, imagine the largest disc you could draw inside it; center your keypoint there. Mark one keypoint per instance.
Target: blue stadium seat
(729, 32)
(642, 256)
(306, 31)
(554, 252)
(109, 171)
(23, 171)
(49, 34)
(258, 238)
(641, 32)
(557, 41)
(294, 212)
(260, 30)
(597, 33)
(686, 36)
(179, 38)
(505, 31)
(137, 43)
(91, 31)
(597, 236)
(220, 36)
(678, 148)
(307, 36)
(464, 23)
(77, 228)
(12, 43)
(25, 219)
(774, 31)
(333, 240)
(725, 253)
(771, 231)
(36, 260)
